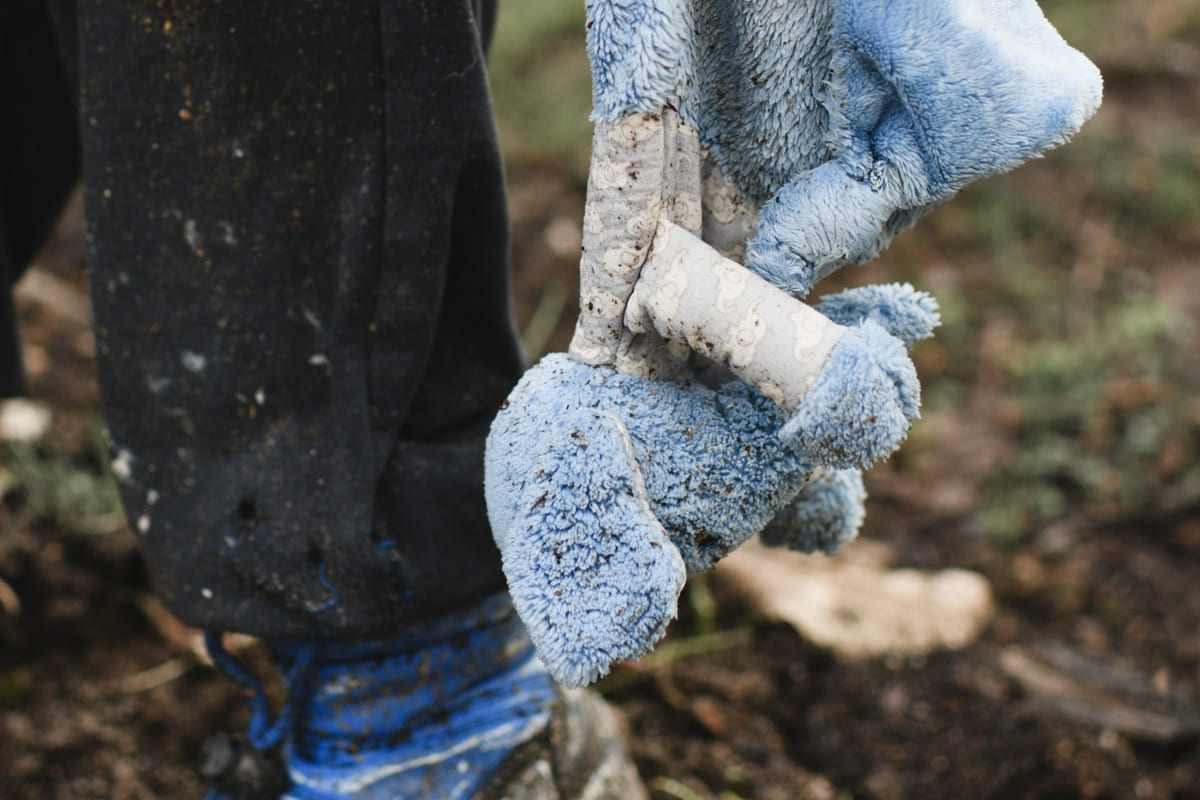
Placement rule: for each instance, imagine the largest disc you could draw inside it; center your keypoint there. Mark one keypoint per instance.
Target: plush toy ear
(949, 91)
(925, 97)
(591, 571)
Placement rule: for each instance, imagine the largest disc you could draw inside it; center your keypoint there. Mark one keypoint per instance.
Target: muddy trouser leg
(39, 155)
(298, 250)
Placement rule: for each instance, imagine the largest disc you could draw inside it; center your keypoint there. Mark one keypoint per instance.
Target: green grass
(1126, 33)
(541, 86)
(72, 491)
(1105, 418)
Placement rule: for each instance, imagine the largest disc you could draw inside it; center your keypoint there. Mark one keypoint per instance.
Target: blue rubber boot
(458, 707)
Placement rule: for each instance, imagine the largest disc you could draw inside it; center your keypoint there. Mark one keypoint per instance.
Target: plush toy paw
(868, 393)
(859, 409)
(828, 512)
(590, 568)
(604, 490)
(904, 312)
(825, 515)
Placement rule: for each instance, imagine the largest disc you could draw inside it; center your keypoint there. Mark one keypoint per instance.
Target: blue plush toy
(794, 136)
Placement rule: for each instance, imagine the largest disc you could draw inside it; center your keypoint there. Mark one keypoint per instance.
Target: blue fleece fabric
(829, 510)
(757, 89)
(847, 119)
(825, 516)
(904, 312)
(926, 96)
(862, 403)
(606, 490)
(867, 395)
(638, 50)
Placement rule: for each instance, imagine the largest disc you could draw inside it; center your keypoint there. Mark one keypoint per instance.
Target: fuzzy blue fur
(639, 51)
(947, 92)
(904, 312)
(757, 89)
(925, 97)
(822, 221)
(606, 490)
(861, 405)
(829, 510)
(846, 120)
(825, 516)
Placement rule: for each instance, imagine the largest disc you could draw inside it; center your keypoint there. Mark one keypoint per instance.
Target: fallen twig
(1077, 697)
(10, 603)
(154, 677)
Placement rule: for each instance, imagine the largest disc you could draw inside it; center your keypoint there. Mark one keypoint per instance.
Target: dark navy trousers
(298, 254)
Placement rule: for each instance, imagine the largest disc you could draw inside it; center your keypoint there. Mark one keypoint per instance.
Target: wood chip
(858, 607)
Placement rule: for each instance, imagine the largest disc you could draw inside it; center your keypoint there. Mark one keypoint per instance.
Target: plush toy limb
(624, 204)
(828, 511)
(644, 169)
(825, 515)
(852, 392)
(689, 293)
(880, 315)
(647, 353)
(861, 405)
(588, 469)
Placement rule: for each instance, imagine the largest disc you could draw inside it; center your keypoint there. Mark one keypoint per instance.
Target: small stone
(23, 420)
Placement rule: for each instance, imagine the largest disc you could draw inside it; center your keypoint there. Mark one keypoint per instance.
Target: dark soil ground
(103, 695)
